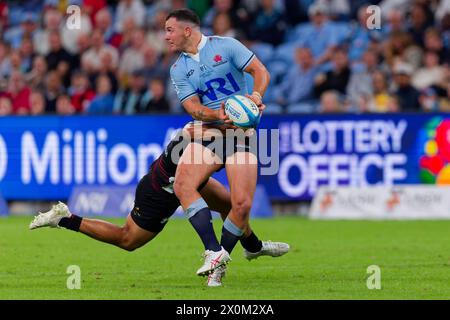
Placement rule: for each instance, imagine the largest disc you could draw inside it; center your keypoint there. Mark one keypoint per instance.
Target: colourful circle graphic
(435, 162)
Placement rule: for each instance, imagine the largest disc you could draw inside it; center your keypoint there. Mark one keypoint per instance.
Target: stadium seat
(301, 108)
(285, 52)
(343, 30)
(15, 16)
(277, 70)
(273, 108)
(263, 51)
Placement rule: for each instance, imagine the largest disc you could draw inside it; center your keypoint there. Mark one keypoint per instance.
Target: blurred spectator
(5, 106)
(428, 100)
(395, 22)
(27, 29)
(157, 33)
(80, 92)
(329, 102)
(399, 46)
(3, 15)
(222, 26)
(36, 77)
(19, 93)
(408, 96)
(27, 54)
(442, 10)
(53, 89)
(154, 99)
(133, 57)
(153, 66)
(129, 25)
(335, 79)
(339, 10)
(107, 69)
(91, 59)
(389, 5)
(361, 37)
(421, 18)
(52, 23)
(393, 104)
(104, 100)
(83, 44)
(360, 83)
(58, 58)
(297, 86)
(444, 102)
(128, 101)
(64, 105)
(430, 74)
(269, 25)
(16, 61)
(380, 99)
(92, 7)
(445, 31)
(319, 35)
(434, 42)
(103, 22)
(37, 103)
(225, 6)
(129, 9)
(5, 62)
(71, 35)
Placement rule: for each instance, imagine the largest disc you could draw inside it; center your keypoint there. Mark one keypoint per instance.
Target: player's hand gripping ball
(242, 111)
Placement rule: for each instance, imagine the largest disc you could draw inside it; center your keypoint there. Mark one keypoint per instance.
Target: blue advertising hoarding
(45, 157)
(358, 150)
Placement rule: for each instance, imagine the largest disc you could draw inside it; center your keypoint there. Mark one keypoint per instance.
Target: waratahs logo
(435, 161)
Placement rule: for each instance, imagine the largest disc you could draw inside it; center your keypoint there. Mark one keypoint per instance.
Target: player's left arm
(261, 79)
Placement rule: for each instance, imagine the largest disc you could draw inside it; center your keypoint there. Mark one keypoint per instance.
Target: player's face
(175, 35)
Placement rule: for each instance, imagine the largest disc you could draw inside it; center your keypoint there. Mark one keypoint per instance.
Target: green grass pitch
(328, 260)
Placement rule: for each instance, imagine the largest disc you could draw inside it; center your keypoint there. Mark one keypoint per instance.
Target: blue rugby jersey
(214, 74)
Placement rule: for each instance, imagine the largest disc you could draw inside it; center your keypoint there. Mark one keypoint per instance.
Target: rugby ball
(242, 111)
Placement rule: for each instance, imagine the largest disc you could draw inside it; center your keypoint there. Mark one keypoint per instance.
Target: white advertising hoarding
(381, 202)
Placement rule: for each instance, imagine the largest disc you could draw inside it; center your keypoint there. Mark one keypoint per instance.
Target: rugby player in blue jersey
(208, 71)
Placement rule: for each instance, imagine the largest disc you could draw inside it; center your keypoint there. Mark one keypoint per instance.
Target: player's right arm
(194, 107)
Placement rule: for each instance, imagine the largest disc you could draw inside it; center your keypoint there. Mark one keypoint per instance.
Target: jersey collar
(200, 46)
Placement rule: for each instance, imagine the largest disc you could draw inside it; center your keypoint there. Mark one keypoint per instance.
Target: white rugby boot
(269, 248)
(50, 218)
(215, 278)
(213, 260)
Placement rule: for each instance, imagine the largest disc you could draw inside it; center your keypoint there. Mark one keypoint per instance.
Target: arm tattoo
(198, 115)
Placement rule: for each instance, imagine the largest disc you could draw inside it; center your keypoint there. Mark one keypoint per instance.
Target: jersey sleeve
(238, 53)
(183, 87)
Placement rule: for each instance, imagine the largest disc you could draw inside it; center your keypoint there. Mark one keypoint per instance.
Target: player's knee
(182, 188)
(128, 243)
(241, 208)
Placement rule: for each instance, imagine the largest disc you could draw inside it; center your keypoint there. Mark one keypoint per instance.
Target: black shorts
(230, 145)
(154, 206)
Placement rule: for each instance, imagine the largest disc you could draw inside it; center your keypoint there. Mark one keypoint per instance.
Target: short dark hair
(185, 15)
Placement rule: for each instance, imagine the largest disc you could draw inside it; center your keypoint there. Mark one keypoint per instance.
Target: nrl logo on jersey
(218, 60)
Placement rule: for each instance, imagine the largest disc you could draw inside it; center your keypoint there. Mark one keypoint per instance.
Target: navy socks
(230, 235)
(201, 219)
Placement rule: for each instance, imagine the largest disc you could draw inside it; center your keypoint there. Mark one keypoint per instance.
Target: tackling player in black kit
(155, 203)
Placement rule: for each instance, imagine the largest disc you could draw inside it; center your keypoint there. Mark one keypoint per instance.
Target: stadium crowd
(323, 55)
